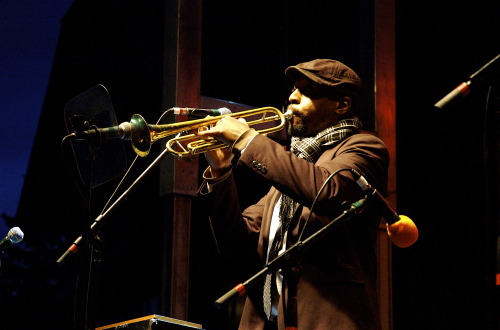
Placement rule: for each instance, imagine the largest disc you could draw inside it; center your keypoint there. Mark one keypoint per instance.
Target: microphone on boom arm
(401, 230)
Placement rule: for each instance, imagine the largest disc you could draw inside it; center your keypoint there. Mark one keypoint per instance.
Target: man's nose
(294, 97)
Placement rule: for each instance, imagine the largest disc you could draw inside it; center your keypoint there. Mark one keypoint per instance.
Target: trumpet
(144, 134)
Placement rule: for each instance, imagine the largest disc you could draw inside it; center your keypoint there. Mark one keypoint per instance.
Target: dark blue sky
(28, 38)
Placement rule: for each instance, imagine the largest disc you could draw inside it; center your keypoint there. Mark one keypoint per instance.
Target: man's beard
(297, 130)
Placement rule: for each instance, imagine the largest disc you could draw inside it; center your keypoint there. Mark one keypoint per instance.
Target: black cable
(317, 196)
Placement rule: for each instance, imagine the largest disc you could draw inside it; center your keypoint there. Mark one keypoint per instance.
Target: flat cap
(330, 74)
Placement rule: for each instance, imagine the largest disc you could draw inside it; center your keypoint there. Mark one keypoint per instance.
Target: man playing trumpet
(335, 286)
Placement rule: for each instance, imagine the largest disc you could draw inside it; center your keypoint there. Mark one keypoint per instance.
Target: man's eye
(302, 90)
(307, 90)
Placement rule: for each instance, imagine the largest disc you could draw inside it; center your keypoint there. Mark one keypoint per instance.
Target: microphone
(15, 235)
(454, 96)
(201, 113)
(122, 131)
(401, 229)
(464, 89)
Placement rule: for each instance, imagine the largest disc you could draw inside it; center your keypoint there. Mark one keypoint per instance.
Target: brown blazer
(336, 288)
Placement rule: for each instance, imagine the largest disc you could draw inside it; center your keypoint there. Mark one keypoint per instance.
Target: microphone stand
(286, 259)
(92, 237)
(491, 160)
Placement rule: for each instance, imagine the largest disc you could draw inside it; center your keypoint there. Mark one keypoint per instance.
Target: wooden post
(181, 87)
(385, 121)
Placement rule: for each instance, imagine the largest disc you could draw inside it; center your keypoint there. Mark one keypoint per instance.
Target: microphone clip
(79, 125)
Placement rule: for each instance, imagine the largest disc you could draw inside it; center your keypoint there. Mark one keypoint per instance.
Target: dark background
(447, 175)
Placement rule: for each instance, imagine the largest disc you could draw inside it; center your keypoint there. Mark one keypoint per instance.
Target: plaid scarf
(310, 148)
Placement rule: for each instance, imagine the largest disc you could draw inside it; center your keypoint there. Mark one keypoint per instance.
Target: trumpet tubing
(145, 134)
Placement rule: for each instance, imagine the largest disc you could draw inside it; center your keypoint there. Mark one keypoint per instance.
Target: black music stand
(97, 161)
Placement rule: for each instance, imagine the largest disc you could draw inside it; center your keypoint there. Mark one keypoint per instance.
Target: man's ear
(344, 104)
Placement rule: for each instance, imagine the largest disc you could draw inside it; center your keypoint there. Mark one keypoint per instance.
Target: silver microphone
(15, 235)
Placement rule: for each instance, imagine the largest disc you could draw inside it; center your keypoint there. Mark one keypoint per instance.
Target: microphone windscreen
(15, 235)
(403, 232)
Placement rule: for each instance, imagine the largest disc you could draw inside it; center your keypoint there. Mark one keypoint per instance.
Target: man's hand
(227, 130)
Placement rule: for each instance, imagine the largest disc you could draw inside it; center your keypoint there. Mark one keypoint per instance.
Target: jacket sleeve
(302, 180)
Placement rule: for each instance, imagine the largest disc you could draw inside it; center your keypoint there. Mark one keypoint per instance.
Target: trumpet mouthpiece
(288, 114)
